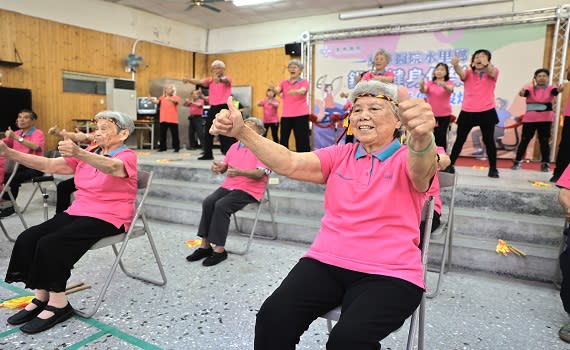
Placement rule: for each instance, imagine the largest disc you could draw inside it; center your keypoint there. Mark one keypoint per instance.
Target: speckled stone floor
(214, 308)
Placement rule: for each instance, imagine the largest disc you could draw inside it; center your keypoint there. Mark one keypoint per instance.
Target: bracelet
(423, 151)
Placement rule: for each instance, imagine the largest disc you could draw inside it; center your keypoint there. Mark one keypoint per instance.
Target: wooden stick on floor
(73, 285)
(81, 287)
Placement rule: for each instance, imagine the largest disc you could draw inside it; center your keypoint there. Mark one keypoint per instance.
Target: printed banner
(517, 51)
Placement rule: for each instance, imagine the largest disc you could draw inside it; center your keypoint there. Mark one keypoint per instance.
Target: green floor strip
(86, 341)
(9, 332)
(104, 328)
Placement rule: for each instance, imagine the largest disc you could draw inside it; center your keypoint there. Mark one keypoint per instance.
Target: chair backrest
(427, 216)
(143, 184)
(11, 167)
(446, 179)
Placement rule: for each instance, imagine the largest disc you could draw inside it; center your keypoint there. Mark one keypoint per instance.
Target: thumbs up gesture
(9, 133)
(416, 115)
(228, 122)
(67, 147)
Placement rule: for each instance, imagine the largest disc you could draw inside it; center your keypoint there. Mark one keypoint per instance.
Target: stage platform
(214, 308)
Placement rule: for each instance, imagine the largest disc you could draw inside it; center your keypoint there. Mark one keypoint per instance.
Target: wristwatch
(20, 139)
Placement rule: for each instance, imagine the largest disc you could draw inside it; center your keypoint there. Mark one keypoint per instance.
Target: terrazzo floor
(214, 308)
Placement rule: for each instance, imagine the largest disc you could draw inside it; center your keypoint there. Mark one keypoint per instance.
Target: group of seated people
(375, 191)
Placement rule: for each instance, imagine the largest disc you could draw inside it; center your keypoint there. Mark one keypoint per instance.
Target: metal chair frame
(446, 180)
(267, 201)
(13, 167)
(144, 182)
(417, 320)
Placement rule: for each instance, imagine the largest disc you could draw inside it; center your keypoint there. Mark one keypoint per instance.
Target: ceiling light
(252, 2)
(415, 7)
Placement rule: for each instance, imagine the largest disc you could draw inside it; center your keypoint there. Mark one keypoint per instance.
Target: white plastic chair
(446, 180)
(418, 317)
(135, 230)
(265, 201)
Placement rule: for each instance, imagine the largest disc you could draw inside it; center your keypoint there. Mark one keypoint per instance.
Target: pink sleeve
(71, 162)
(39, 139)
(275, 103)
(328, 156)
(564, 180)
(208, 81)
(389, 74)
(8, 141)
(367, 76)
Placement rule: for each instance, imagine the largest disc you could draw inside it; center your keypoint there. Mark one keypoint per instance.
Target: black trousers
(440, 131)
(63, 195)
(44, 255)
(225, 143)
(195, 128)
(217, 210)
(528, 131)
(563, 157)
(173, 127)
(373, 306)
(23, 174)
(565, 268)
(300, 127)
(486, 121)
(208, 138)
(274, 131)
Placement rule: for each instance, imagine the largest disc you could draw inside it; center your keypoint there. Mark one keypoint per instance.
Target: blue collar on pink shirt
(29, 133)
(382, 154)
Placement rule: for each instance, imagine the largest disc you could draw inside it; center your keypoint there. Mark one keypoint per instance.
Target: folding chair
(37, 183)
(12, 167)
(144, 181)
(266, 200)
(446, 180)
(418, 317)
(557, 278)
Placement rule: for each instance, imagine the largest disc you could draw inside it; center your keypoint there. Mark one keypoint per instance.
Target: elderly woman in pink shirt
(478, 107)
(43, 255)
(366, 256)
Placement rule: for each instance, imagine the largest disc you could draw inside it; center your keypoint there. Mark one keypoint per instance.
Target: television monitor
(145, 106)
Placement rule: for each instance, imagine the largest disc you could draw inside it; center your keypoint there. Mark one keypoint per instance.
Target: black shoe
(205, 157)
(450, 169)
(7, 212)
(39, 325)
(494, 173)
(215, 258)
(24, 315)
(177, 150)
(200, 253)
(544, 168)
(554, 178)
(162, 150)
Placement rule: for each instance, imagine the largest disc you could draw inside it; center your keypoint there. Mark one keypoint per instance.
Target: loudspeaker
(293, 49)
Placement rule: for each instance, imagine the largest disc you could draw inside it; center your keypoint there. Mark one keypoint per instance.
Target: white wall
(278, 33)
(114, 19)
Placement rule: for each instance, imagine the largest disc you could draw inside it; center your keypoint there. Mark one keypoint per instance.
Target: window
(84, 83)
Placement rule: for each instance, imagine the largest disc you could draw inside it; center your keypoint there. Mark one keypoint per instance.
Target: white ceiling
(231, 15)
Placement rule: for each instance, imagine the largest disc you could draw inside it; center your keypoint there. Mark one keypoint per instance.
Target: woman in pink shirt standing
(366, 256)
(295, 114)
(438, 92)
(43, 255)
(538, 117)
(195, 106)
(478, 107)
(270, 119)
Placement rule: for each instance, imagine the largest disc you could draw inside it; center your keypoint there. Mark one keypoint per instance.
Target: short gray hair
(385, 53)
(122, 120)
(375, 88)
(257, 122)
(297, 63)
(218, 63)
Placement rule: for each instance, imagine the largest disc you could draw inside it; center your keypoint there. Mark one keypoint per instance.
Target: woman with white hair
(295, 114)
(366, 256)
(43, 255)
(220, 88)
(382, 59)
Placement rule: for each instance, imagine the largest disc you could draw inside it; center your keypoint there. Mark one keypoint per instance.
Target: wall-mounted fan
(132, 62)
(204, 4)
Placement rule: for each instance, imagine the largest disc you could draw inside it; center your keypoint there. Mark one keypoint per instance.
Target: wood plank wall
(48, 48)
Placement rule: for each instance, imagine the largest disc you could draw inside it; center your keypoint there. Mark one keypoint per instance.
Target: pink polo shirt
(539, 95)
(196, 108)
(270, 110)
(33, 135)
(218, 92)
(438, 98)
(102, 196)
(168, 109)
(370, 75)
(564, 180)
(294, 105)
(239, 156)
(372, 213)
(479, 91)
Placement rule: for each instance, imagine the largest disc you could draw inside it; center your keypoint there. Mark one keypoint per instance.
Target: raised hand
(416, 115)
(455, 60)
(9, 133)
(67, 147)
(228, 122)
